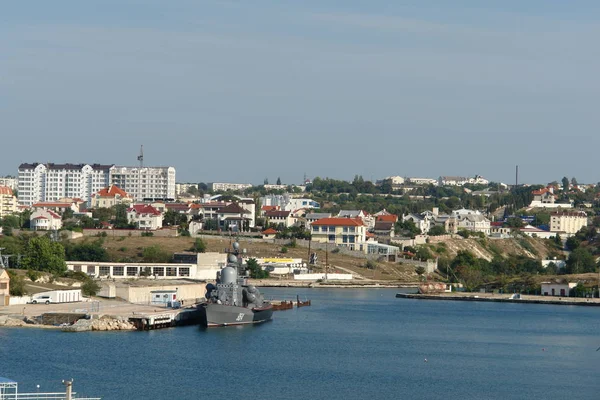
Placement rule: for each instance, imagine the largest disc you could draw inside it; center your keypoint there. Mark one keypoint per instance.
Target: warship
(232, 301)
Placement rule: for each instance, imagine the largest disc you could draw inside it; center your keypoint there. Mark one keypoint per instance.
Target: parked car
(42, 299)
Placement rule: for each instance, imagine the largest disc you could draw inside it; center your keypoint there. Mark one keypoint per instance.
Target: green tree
(17, 284)
(437, 230)
(565, 184)
(580, 261)
(199, 246)
(278, 180)
(256, 272)
(420, 271)
(154, 254)
(514, 222)
(42, 254)
(87, 251)
(121, 221)
(90, 288)
(573, 243)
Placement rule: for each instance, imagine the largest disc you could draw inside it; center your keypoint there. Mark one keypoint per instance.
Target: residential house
(568, 222)
(57, 207)
(285, 218)
(471, 220)
(422, 181)
(421, 221)
(4, 288)
(234, 217)
(348, 232)
(384, 229)
(110, 197)
(224, 187)
(269, 233)
(367, 219)
(145, 217)
(264, 209)
(8, 202)
(532, 231)
(312, 217)
(546, 198)
(43, 219)
(250, 206)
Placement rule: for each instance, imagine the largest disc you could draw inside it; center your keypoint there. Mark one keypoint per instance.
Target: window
(315, 229)
(132, 271)
(77, 268)
(323, 229)
(352, 229)
(184, 271)
(171, 271)
(345, 239)
(331, 238)
(104, 270)
(332, 229)
(345, 229)
(158, 271)
(91, 269)
(118, 271)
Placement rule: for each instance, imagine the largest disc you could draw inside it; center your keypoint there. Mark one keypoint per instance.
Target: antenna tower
(141, 156)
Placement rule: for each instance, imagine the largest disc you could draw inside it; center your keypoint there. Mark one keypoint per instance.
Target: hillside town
(399, 220)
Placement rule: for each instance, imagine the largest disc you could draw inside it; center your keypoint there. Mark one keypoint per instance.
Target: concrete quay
(504, 298)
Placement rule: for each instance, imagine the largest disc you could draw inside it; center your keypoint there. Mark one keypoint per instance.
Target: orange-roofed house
(110, 196)
(8, 201)
(348, 232)
(269, 233)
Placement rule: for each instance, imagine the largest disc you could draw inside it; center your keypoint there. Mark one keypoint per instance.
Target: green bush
(123, 248)
(147, 234)
(335, 250)
(370, 264)
(33, 275)
(90, 288)
(283, 250)
(17, 284)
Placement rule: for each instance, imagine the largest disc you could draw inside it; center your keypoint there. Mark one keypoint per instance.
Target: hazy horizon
(232, 91)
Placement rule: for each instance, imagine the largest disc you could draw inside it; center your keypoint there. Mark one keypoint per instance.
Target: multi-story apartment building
(568, 222)
(145, 183)
(8, 201)
(223, 187)
(51, 182)
(10, 182)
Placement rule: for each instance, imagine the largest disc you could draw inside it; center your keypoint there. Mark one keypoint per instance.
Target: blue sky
(238, 91)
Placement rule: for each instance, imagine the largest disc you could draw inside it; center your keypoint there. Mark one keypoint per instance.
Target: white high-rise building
(145, 182)
(51, 182)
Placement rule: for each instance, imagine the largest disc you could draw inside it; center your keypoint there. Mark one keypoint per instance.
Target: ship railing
(43, 396)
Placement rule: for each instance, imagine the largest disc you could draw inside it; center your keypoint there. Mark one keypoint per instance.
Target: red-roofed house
(110, 196)
(45, 220)
(145, 217)
(387, 218)
(269, 233)
(265, 209)
(349, 232)
(8, 201)
(234, 217)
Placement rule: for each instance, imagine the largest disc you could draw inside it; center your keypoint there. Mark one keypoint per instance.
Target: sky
(240, 91)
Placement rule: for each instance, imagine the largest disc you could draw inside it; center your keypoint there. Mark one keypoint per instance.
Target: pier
(563, 301)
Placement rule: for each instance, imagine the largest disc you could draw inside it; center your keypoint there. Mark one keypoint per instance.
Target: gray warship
(232, 301)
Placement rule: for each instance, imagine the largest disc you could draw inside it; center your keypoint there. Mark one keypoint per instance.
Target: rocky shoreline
(101, 323)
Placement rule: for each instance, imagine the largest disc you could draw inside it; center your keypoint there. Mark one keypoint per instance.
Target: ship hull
(215, 315)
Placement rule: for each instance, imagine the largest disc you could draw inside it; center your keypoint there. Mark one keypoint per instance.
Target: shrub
(123, 248)
(146, 234)
(283, 250)
(292, 243)
(370, 264)
(33, 275)
(17, 284)
(336, 250)
(199, 246)
(90, 288)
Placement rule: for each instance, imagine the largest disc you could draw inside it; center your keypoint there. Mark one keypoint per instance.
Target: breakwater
(563, 301)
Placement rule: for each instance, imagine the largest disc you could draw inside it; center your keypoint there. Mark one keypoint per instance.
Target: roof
(387, 218)
(383, 226)
(144, 209)
(52, 204)
(6, 190)
(317, 215)
(269, 208)
(112, 191)
(269, 231)
(234, 208)
(277, 214)
(177, 206)
(338, 222)
(6, 380)
(350, 213)
(569, 214)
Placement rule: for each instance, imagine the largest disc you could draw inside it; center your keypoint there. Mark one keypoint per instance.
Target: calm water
(351, 344)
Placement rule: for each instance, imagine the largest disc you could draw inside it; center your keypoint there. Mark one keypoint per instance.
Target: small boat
(283, 305)
(302, 303)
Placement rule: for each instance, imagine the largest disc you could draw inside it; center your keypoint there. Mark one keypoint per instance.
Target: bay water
(350, 344)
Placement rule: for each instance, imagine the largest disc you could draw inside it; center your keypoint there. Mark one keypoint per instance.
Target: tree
(199, 246)
(437, 230)
(514, 222)
(154, 254)
(17, 284)
(266, 181)
(121, 221)
(580, 261)
(573, 243)
(278, 180)
(90, 288)
(42, 254)
(87, 252)
(565, 184)
(256, 272)
(420, 271)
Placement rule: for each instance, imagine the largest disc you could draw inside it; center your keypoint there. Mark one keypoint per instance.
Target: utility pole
(69, 390)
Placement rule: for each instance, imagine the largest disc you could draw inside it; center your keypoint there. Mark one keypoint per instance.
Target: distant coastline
(527, 299)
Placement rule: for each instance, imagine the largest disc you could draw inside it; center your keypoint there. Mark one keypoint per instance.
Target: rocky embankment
(102, 323)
